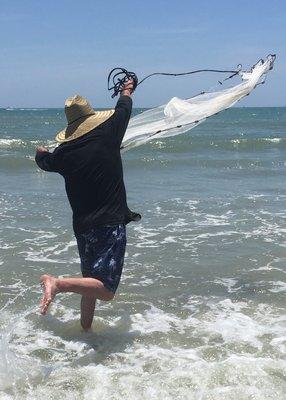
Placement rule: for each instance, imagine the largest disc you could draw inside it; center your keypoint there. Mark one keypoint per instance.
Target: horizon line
(11, 108)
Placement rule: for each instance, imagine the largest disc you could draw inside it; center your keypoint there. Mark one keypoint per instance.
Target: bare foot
(49, 284)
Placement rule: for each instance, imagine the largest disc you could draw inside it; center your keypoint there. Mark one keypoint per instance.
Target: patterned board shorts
(101, 252)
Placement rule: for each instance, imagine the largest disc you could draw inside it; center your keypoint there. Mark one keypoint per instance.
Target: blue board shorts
(101, 251)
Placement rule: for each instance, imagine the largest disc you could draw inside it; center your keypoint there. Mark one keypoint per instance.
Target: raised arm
(123, 110)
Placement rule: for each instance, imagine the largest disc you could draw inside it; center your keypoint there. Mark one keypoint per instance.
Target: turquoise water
(200, 312)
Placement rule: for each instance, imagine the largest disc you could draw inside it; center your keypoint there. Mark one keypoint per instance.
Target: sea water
(200, 311)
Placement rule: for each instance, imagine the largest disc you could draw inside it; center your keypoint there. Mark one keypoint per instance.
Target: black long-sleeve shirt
(92, 168)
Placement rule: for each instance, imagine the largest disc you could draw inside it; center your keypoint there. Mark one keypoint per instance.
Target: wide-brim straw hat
(81, 118)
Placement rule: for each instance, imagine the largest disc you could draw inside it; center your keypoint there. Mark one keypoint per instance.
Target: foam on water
(226, 344)
(21, 144)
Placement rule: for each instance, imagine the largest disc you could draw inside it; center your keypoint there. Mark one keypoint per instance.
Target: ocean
(200, 311)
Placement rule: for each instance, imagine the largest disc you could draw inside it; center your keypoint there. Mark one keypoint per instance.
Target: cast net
(179, 116)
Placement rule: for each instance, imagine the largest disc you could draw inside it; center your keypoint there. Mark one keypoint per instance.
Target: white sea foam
(143, 282)
(278, 286)
(116, 361)
(273, 140)
(182, 374)
(279, 343)
(169, 239)
(145, 235)
(6, 143)
(156, 320)
(229, 283)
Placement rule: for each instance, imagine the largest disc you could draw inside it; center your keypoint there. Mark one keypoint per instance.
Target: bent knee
(108, 296)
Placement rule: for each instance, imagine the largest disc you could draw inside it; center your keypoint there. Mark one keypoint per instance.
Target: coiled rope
(119, 76)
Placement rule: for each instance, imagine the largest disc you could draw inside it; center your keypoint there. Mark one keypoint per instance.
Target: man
(89, 160)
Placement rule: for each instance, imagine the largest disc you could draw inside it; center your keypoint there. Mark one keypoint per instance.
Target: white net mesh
(179, 116)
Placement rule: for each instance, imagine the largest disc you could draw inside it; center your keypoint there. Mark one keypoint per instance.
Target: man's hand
(128, 88)
(41, 149)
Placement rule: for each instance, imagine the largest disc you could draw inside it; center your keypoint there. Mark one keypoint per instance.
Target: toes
(45, 305)
(44, 308)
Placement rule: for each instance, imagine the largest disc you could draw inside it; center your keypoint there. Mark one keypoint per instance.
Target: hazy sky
(53, 49)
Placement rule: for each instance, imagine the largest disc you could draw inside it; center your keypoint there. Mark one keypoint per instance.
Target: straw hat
(81, 117)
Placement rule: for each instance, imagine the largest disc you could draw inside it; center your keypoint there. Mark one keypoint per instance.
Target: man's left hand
(41, 149)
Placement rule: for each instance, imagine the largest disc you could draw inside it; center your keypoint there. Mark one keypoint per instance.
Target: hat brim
(83, 125)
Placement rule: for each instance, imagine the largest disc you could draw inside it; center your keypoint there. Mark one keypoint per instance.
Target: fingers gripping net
(179, 116)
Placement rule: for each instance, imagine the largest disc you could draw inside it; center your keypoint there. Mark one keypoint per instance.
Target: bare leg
(85, 286)
(87, 311)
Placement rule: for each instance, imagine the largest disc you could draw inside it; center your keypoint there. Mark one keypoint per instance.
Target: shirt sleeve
(46, 161)
(121, 116)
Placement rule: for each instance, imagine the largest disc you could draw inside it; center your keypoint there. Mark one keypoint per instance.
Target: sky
(53, 49)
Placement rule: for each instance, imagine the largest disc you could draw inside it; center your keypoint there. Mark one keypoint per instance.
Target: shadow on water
(103, 339)
(83, 348)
